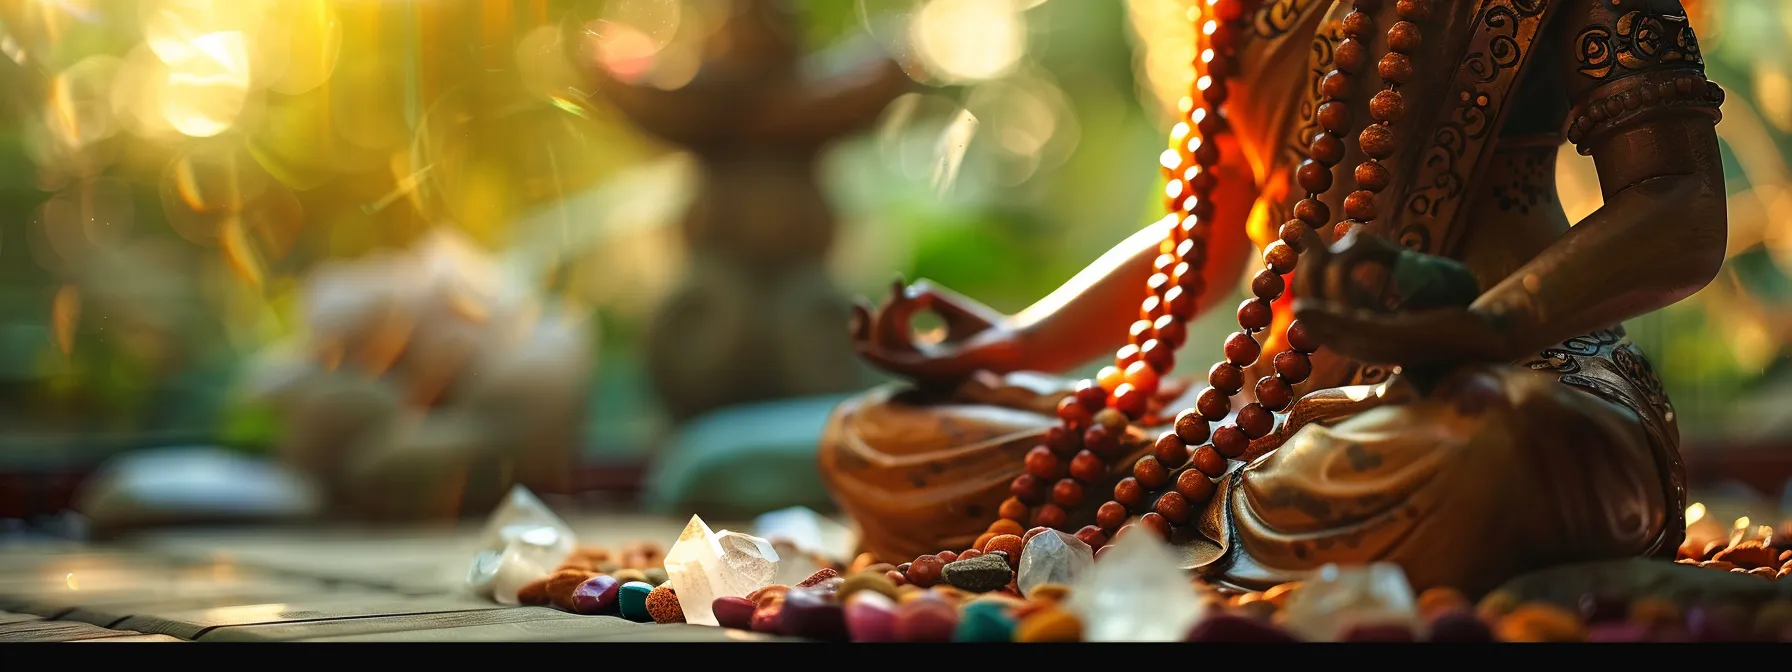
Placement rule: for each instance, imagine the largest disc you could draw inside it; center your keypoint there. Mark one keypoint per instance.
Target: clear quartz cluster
(1136, 593)
(704, 565)
(1336, 599)
(1053, 557)
(523, 541)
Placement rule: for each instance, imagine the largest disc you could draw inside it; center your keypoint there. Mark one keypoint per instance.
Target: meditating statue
(1431, 370)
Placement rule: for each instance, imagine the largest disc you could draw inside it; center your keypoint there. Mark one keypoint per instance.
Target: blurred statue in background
(756, 317)
(427, 385)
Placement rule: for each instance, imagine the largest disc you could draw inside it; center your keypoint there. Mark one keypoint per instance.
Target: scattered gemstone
(984, 621)
(926, 620)
(871, 617)
(733, 612)
(632, 598)
(1540, 622)
(1049, 625)
(818, 577)
(867, 580)
(1235, 628)
(522, 541)
(1136, 593)
(662, 605)
(981, 574)
(812, 615)
(1336, 599)
(597, 595)
(1461, 626)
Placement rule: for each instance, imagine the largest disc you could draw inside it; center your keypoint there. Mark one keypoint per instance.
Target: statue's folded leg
(1498, 471)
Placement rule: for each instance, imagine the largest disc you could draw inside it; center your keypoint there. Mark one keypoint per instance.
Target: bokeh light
(971, 39)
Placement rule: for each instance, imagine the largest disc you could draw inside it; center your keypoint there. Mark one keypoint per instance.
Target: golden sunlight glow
(65, 314)
(1694, 513)
(206, 91)
(70, 582)
(970, 39)
(298, 47)
(1773, 92)
(629, 36)
(80, 102)
(1166, 48)
(1742, 523)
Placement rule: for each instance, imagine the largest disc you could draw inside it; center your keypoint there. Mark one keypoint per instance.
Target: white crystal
(703, 565)
(1136, 593)
(1336, 599)
(808, 531)
(1053, 557)
(523, 541)
(794, 565)
(520, 564)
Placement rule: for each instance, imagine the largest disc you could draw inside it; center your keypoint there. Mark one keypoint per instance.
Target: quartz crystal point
(523, 541)
(703, 565)
(808, 531)
(1336, 599)
(1137, 593)
(1053, 557)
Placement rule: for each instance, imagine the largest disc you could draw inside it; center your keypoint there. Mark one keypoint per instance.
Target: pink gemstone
(871, 617)
(597, 595)
(926, 620)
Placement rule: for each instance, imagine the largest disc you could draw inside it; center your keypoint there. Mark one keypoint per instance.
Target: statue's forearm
(1659, 238)
(1089, 314)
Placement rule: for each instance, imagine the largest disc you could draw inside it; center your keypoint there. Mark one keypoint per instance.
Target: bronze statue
(1443, 383)
(755, 315)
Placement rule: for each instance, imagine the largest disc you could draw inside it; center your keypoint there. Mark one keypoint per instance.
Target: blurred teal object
(744, 460)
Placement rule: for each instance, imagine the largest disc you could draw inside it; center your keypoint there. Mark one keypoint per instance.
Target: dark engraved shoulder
(1618, 38)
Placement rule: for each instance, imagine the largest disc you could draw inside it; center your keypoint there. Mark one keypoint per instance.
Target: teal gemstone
(633, 599)
(984, 622)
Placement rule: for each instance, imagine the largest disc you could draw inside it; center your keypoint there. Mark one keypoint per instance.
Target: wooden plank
(192, 624)
(6, 618)
(684, 632)
(54, 631)
(132, 639)
(111, 612)
(492, 625)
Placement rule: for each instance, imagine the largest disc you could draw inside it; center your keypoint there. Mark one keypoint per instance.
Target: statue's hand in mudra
(1370, 299)
(972, 336)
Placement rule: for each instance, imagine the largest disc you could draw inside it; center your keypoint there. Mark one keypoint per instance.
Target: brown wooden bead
(1155, 523)
(1202, 183)
(1227, 378)
(1188, 277)
(1073, 413)
(1360, 205)
(1372, 175)
(1404, 36)
(1242, 349)
(1129, 493)
(1158, 282)
(1333, 116)
(1293, 234)
(1300, 339)
(1228, 10)
(1280, 257)
(1150, 473)
(1230, 441)
(1313, 212)
(1067, 493)
(1028, 489)
(1267, 285)
(1043, 464)
(1114, 421)
(1049, 515)
(1337, 85)
(1191, 427)
(1225, 34)
(1377, 141)
(1101, 441)
(1063, 441)
(1110, 516)
(1174, 507)
(1163, 262)
(1350, 55)
(1216, 94)
(1086, 467)
(1326, 149)
(1344, 228)
(1387, 105)
(1209, 461)
(1179, 303)
(1293, 367)
(1152, 307)
(1255, 420)
(1413, 10)
(1137, 334)
(1395, 67)
(1141, 376)
(1109, 378)
(1090, 394)
(1169, 450)
(1012, 509)
(1092, 535)
(1359, 25)
(1170, 330)
(1131, 400)
(1213, 404)
(1273, 393)
(1255, 314)
(1195, 486)
(1157, 356)
(1314, 177)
